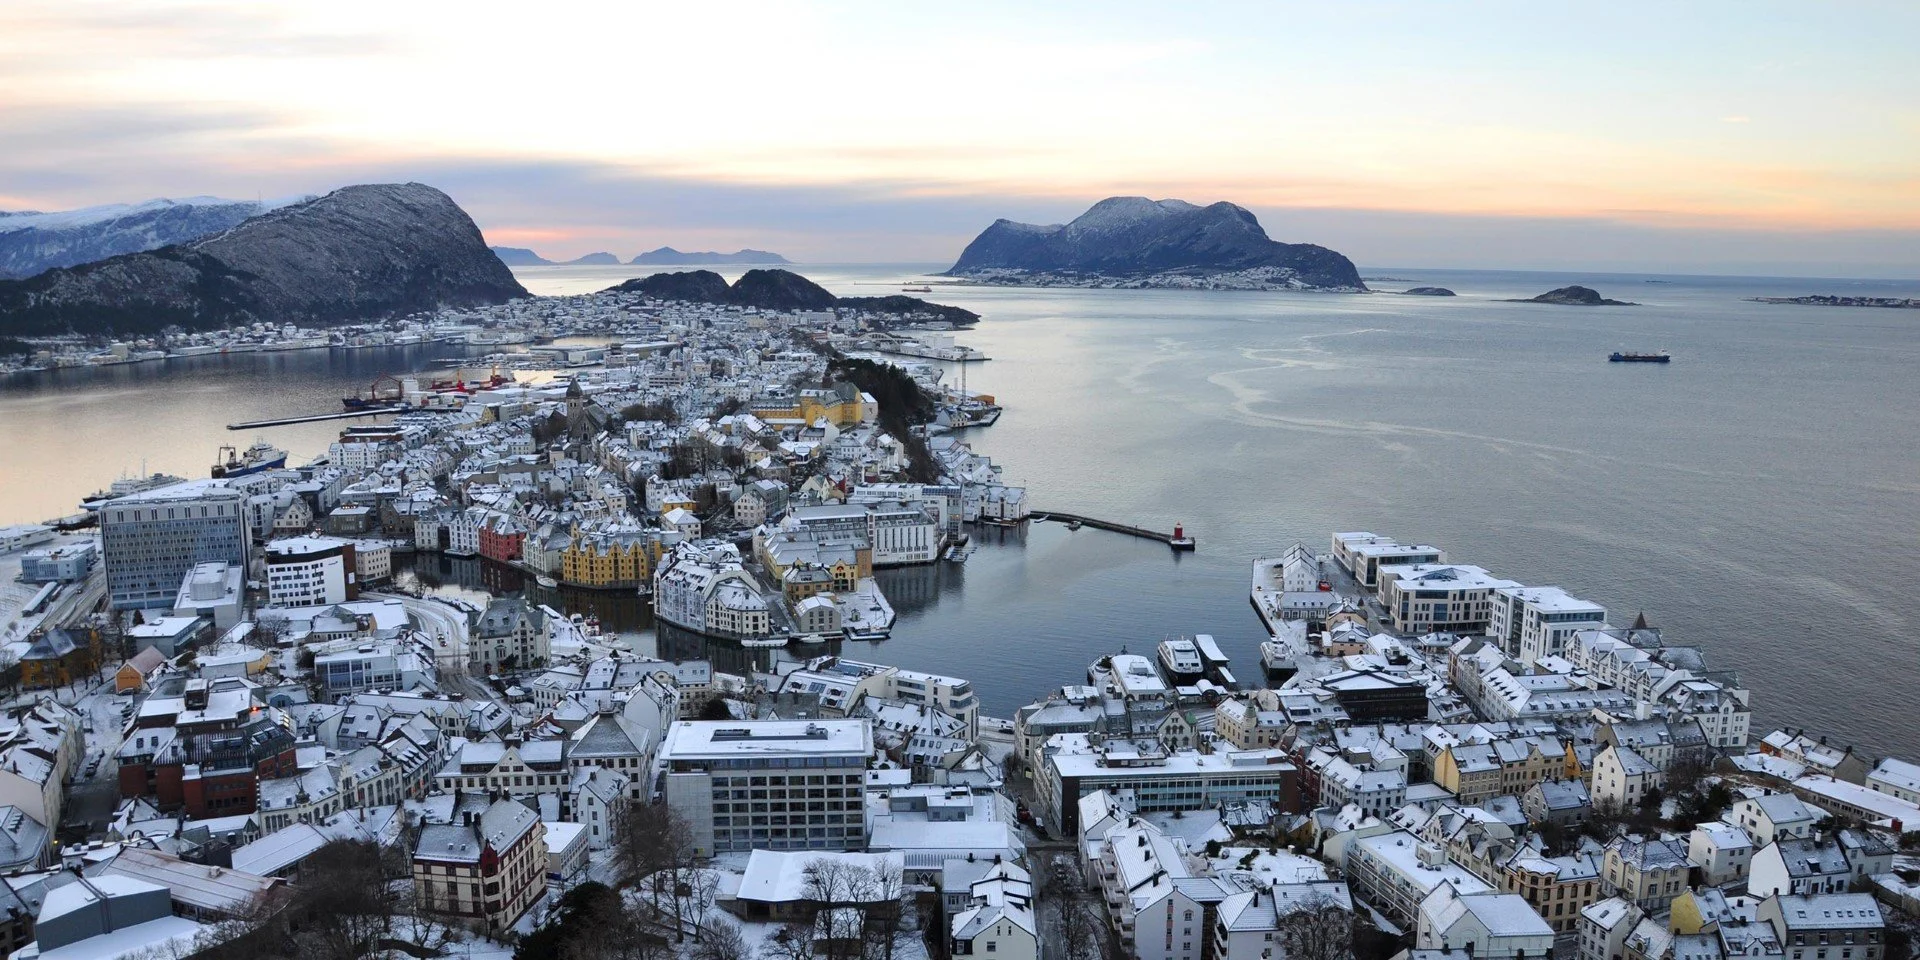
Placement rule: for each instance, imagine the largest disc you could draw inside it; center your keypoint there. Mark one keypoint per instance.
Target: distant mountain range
(1137, 242)
(520, 257)
(663, 257)
(360, 252)
(669, 257)
(32, 242)
(783, 290)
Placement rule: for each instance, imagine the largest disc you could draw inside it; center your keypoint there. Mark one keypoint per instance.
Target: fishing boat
(259, 458)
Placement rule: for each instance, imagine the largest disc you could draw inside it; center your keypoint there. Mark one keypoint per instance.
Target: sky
(1735, 137)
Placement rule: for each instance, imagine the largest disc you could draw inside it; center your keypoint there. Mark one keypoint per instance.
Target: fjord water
(1758, 497)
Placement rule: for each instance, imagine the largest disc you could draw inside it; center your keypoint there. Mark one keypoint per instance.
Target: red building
(203, 747)
(501, 540)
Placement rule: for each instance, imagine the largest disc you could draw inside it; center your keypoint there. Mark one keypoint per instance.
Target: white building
(1434, 598)
(1621, 777)
(1490, 926)
(1535, 622)
(1774, 816)
(1395, 872)
(999, 922)
(308, 571)
(1896, 778)
(214, 590)
(1721, 851)
(769, 784)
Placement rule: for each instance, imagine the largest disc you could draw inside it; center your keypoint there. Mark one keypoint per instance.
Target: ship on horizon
(1619, 357)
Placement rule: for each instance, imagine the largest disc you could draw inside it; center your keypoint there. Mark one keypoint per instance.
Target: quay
(316, 418)
(1178, 539)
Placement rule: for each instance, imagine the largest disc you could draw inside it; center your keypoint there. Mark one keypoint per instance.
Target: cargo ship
(1618, 357)
(259, 458)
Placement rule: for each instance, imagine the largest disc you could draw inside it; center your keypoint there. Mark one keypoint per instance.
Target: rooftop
(717, 739)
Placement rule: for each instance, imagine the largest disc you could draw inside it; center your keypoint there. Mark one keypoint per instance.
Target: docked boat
(128, 485)
(1180, 660)
(1618, 357)
(259, 458)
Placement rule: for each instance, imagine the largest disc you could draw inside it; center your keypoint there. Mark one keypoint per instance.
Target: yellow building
(842, 405)
(609, 559)
(1475, 772)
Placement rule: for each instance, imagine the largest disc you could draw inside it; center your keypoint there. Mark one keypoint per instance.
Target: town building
(309, 571)
(769, 784)
(485, 870)
(150, 540)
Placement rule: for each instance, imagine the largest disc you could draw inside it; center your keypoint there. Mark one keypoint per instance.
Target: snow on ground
(864, 608)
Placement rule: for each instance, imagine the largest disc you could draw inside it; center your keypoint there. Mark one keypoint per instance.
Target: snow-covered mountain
(32, 242)
(360, 252)
(1153, 243)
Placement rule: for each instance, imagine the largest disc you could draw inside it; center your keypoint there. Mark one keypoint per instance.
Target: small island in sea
(1426, 292)
(1577, 296)
(1137, 243)
(1829, 300)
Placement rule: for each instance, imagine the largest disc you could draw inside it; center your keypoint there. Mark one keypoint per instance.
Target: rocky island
(1427, 292)
(360, 252)
(598, 259)
(1577, 296)
(1134, 242)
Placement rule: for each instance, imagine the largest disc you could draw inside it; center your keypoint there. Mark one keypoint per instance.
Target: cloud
(1736, 118)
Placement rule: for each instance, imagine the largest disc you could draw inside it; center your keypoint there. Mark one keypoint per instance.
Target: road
(445, 623)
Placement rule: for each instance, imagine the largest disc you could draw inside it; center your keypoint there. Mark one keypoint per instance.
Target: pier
(316, 418)
(1178, 539)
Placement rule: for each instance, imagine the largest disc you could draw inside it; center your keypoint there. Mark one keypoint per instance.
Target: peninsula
(776, 289)
(1829, 300)
(1134, 242)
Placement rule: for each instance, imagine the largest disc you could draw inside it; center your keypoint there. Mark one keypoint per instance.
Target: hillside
(357, 253)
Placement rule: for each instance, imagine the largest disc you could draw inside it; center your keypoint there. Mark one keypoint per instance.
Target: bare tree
(1079, 927)
(268, 630)
(791, 942)
(887, 887)
(723, 941)
(843, 891)
(654, 847)
(703, 887)
(1319, 928)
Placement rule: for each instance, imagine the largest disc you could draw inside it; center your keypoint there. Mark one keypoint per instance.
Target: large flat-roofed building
(1161, 781)
(1363, 554)
(1438, 597)
(1535, 622)
(150, 540)
(769, 784)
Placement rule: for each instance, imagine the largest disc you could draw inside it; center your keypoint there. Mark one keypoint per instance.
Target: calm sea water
(1758, 497)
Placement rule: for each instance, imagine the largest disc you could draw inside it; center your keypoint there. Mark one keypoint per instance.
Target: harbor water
(1758, 497)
